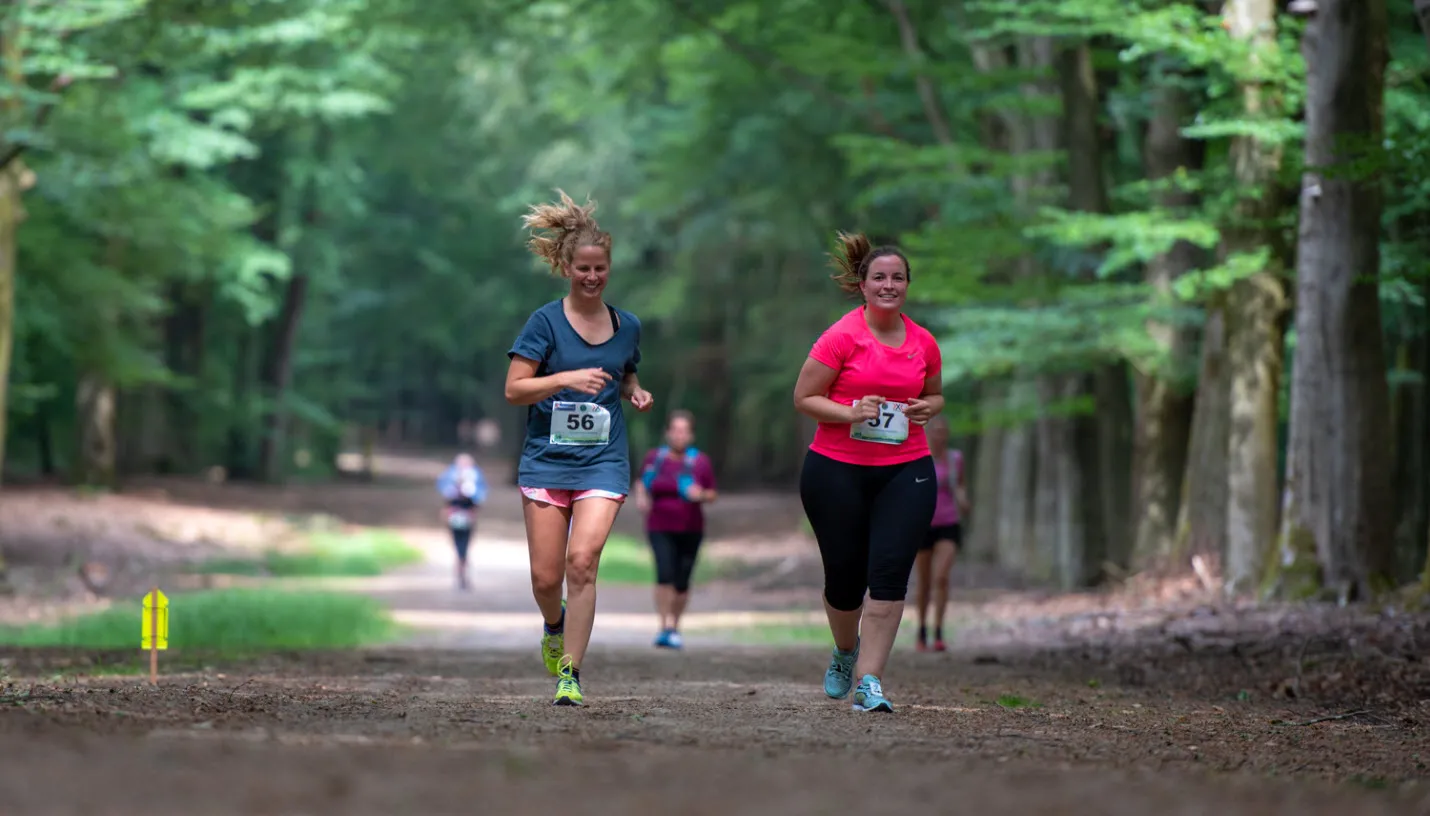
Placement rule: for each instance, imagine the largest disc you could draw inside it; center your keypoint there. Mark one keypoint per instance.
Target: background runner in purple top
(669, 513)
(946, 511)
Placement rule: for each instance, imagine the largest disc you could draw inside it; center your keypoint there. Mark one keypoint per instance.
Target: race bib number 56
(890, 427)
(579, 423)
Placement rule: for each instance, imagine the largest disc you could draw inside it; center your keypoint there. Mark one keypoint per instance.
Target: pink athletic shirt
(948, 471)
(865, 366)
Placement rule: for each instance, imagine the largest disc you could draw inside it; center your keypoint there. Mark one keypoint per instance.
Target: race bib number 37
(890, 427)
(579, 423)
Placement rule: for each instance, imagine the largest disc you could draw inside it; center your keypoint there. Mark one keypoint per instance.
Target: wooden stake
(154, 639)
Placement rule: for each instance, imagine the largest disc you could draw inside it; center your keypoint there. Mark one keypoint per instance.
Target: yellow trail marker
(155, 630)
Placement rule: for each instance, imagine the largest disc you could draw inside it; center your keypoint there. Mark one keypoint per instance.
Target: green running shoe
(554, 646)
(568, 688)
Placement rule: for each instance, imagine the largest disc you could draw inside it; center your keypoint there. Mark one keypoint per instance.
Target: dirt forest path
(1058, 706)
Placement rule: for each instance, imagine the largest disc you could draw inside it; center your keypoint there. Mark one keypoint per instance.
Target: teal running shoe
(839, 677)
(870, 696)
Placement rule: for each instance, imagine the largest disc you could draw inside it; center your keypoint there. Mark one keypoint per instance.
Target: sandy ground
(1132, 704)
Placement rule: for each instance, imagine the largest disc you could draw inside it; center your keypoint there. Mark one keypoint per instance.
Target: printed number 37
(583, 422)
(886, 415)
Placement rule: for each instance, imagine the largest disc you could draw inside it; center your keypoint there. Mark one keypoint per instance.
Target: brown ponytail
(569, 228)
(852, 258)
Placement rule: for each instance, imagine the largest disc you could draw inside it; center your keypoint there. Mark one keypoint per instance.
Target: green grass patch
(226, 622)
(1012, 701)
(324, 555)
(628, 560)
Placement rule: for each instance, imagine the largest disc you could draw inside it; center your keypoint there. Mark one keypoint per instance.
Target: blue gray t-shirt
(575, 460)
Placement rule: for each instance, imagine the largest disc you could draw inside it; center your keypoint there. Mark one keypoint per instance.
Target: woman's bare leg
(591, 521)
(546, 526)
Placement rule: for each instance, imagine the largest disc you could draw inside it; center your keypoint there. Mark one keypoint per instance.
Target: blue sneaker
(668, 639)
(840, 674)
(870, 696)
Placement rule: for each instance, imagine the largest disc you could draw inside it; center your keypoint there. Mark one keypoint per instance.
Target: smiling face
(886, 284)
(589, 269)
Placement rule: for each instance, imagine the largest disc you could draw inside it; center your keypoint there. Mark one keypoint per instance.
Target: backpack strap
(687, 467)
(686, 479)
(648, 477)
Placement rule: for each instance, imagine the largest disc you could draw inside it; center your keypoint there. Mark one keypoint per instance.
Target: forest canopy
(1174, 251)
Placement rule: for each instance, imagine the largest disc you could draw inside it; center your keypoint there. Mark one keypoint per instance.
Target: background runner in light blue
(549, 339)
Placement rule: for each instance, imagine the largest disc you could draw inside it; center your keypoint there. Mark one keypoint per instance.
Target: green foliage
(1134, 238)
(377, 155)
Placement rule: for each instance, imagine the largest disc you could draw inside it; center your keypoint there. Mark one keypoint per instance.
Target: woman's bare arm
(523, 387)
(810, 391)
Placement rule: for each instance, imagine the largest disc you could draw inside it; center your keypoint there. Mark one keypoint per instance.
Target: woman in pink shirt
(868, 486)
(945, 534)
(676, 482)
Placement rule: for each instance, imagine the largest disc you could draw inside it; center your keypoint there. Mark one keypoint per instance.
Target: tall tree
(1165, 390)
(1338, 480)
(1254, 313)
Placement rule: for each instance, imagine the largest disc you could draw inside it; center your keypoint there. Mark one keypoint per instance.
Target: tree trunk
(1060, 480)
(1165, 402)
(301, 208)
(981, 528)
(1104, 440)
(44, 442)
(238, 447)
(1254, 324)
(278, 376)
(1339, 491)
(990, 516)
(144, 432)
(10, 214)
(1060, 510)
(1110, 455)
(94, 405)
(1422, 13)
(1412, 446)
(1202, 517)
(15, 178)
(1017, 533)
(1255, 340)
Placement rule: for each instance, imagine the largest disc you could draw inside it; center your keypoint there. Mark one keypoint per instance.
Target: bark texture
(1339, 491)
(1255, 325)
(1165, 394)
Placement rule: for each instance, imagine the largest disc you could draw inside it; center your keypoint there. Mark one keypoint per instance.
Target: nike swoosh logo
(921, 481)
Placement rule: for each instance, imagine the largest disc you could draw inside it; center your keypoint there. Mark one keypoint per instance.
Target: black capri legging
(870, 522)
(675, 557)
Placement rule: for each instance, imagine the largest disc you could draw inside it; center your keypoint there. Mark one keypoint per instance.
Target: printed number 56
(583, 422)
(887, 416)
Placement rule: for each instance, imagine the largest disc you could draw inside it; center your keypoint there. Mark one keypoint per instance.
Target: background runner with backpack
(463, 489)
(676, 481)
